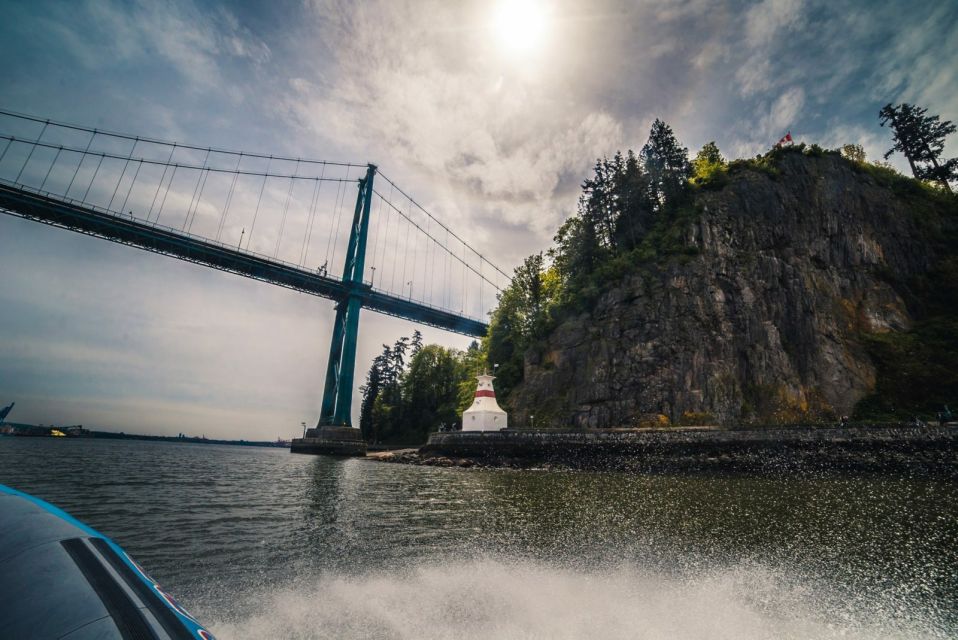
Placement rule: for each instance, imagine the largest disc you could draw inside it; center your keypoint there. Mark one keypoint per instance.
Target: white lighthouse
(484, 414)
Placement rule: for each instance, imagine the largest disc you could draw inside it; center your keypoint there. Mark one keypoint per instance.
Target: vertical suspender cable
(55, 158)
(339, 216)
(130, 190)
(93, 179)
(167, 192)
(123, 173)
(312, 218)
(34, 148)
(382, 254)
(79, 164)
(199, 200)
(229, 198)
(445, 274)
(330, 245)
(258, 201)
(196, 188)
(415, 264)
(289, 194)
(379, 229)
(149, 214)
(431, 252)
(389, 211)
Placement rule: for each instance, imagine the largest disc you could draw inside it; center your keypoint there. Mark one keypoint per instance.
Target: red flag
(786, 138)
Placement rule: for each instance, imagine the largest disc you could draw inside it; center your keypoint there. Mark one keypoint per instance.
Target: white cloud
(103, 34)
(767, 20)
(500, 139)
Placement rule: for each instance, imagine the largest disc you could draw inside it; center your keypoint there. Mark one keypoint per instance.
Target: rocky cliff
(787, 272)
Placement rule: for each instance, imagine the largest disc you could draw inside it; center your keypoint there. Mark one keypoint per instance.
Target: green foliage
(430, 392)
(520, 320)
(709, 167)
(403, 403)
(766, 164)
(917, 370)
(853, 152)
(668, 237)
(474, 361)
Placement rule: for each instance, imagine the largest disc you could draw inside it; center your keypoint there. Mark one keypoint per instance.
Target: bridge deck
(138, 233)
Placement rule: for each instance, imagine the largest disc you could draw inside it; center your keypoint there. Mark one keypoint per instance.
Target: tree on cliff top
(707, 162)
(854, 152)
(667, 163)
(921, 139)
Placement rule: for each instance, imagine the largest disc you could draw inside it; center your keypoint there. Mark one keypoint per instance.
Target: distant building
(485, 413)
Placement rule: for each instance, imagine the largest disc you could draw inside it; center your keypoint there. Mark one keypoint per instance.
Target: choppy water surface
(259, 543)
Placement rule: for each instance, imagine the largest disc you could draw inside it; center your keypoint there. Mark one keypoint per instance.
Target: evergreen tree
(577, 250)
(370, 391)
(921, 139)
(397, 359)
(528, 280)
(506, 342)
(667, 163)
(633, 201)
(597, 205)
(707, 162)
(416, 343)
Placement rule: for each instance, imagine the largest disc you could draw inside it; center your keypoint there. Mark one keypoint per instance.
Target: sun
(521, 25)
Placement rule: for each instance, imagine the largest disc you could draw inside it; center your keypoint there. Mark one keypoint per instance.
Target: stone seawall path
(931, 450)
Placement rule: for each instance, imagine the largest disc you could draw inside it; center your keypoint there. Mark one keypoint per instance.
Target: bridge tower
(338, 393)
(334, 433)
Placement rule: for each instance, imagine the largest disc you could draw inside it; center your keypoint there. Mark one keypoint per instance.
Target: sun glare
(521, 25)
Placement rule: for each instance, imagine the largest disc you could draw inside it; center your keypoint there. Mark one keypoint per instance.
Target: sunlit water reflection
(260, 543)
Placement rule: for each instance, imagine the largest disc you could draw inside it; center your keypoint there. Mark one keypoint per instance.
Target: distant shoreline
(45, 431)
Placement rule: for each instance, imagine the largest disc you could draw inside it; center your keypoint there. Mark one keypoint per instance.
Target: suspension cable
(446, 249)
(423, 209)
(158, 141)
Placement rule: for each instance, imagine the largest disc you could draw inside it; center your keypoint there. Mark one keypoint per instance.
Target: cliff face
(763, 324)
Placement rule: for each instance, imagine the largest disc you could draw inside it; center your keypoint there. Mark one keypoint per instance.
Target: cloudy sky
(490, 113)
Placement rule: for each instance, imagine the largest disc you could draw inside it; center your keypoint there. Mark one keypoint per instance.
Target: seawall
(925, 450)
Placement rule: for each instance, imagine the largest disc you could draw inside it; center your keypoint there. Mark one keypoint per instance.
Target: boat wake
(528, 599)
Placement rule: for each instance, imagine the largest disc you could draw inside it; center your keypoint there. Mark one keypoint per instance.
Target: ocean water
(260, 543)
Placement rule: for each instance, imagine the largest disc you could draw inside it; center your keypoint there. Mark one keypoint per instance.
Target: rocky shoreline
(929, 451)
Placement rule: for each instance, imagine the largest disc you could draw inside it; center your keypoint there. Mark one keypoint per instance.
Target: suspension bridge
(282, 220)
